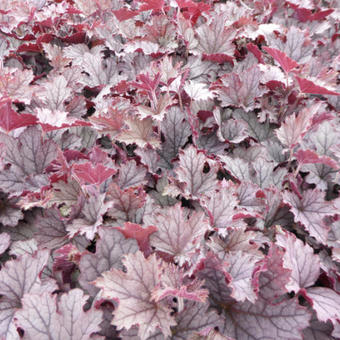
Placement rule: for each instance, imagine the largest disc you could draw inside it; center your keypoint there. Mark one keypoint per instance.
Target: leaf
(124, 203)
(297, 46)
(5, 241)
(11, 120)
(261, 320)
(241, 267)
(40, 320)
(325, 302)
(215, 38)
(233, 131)
(110, 248)
(14, 84)
(131, 175)
(19, 277)
(310, 211)
(308, 86)
(138, 233)
(273, 281)
(285, 62)
(240, 89)
(191, 172)
(176, 131)
(133, 289)
(294, 127)
(100, 72)
(221, 207)
(311, 157)
(92, 174)
(54, 93)
(91, 217)
(177, 234)
(301, 260)
(139, 132)
(30, 155)
(197, 91)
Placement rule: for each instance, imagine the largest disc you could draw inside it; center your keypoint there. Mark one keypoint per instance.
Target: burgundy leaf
(87, 173)
(308, 86)
(285, 62)
(11, 120)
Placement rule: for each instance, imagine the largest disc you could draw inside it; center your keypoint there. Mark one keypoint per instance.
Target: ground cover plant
(169, 169)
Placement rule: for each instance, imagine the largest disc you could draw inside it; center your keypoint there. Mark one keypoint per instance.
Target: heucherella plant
(169, 169)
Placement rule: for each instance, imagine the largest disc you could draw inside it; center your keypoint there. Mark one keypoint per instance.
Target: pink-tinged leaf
(240, 89)
(294, 127)
(139, 233)
(215, 38)
(125, 203)
(110, 248)
(11, 120)
(92, 174)
(308, 86)
(177, 233)
(14, 84)
(310, 211)
(90, 218)
(318, 330)
(176, 284)
(285, 62)
(139, 132)
(297, 45)
(124, 14)
(42, 317)
(158, 109)
(311, 157)
(111, 122)
(54, 93)
(19, 277)
(30, 154)
(240, 266)
(131, 175)
(325, 302)
(52, 118)
(261, 320)
(221, 208)
(191, 172)
(147, 5)
(5, 241)
(100, 71)
(273, 281)
(133, 290)
(301, 260)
